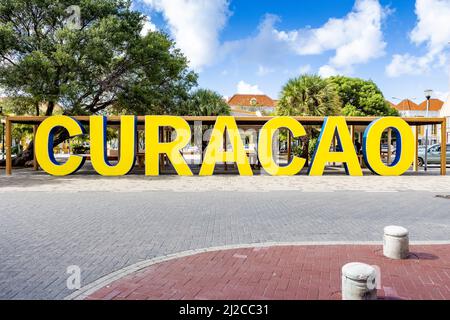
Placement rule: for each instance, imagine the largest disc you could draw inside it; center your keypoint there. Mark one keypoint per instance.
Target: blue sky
(255, 46)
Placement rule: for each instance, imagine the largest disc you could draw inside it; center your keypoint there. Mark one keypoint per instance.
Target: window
(436, 149)
(253, 101)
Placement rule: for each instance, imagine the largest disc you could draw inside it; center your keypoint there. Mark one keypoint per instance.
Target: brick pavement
(284, 272)
(42, 233)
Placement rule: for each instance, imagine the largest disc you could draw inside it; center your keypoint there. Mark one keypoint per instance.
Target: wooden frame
(416, 149)
(444, 147)
(240, 120)
(352, 121)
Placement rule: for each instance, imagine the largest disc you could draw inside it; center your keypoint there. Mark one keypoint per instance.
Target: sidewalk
(284, 272)
(334, 181)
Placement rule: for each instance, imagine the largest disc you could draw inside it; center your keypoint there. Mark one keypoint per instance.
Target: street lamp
(428, 94)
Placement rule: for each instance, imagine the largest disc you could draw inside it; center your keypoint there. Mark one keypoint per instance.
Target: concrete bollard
(359, 282)
(396, 242)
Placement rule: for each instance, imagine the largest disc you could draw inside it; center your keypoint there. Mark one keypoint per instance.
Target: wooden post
(8, 141)
(444, 147)
(289, 146)
(136, 148)
(35, 163)
(416, 149)
(389, 151)
(256, 148)
(119, 143)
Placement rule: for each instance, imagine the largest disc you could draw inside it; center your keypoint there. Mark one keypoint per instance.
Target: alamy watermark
(73, 18)
(73, 282)
(374, 281)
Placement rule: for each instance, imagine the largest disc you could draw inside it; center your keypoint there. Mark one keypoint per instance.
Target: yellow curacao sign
(215, 153)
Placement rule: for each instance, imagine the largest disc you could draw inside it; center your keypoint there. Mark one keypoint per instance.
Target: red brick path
(290, 272)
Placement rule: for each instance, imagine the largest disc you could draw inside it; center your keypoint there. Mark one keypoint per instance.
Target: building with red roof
(255, 103)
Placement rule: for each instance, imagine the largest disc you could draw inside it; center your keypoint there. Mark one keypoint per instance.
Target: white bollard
(359, 282)
(396, 242)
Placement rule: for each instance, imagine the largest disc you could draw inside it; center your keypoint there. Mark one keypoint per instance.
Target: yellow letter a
(347, 154)
(214, 151)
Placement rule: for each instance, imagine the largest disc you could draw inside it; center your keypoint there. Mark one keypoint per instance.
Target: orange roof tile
(245, 100)
(435, 105)
(407, 105)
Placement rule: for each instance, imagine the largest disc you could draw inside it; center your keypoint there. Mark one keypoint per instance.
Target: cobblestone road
(42, 233)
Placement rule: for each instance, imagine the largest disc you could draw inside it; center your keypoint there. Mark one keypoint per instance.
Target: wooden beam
(246, 120)
(8, 140)
(416, 149)
(35, 162)
(444, 147)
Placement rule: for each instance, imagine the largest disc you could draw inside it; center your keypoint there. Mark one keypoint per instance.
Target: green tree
(19, 106)
(308, 95)
(204, 102)
(102, 63)
(361, 97)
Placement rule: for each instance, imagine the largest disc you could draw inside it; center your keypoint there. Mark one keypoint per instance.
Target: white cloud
(264, 71)
(195, 25)
(355, 38)
(433, 26)
(443, 96)
(407, 64)
(245, 88)
(327, 71)
(305, 69)
(148, 27)
(433, 30)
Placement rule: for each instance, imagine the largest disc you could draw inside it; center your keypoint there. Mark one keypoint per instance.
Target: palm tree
(308, 95)
(203, 102)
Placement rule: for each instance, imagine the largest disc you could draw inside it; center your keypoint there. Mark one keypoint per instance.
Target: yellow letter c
(44, 145)
(265, 146)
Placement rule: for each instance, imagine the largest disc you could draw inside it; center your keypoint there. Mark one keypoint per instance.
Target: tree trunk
(50, 107)
(28, 154)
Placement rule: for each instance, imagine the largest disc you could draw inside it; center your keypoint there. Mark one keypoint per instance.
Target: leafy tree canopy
(104, 62)
(308, 95)
(204, 102)
(361, 97)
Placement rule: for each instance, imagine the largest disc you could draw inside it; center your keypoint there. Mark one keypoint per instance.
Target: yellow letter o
(404, 155)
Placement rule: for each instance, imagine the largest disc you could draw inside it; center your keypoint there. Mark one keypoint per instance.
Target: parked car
(384, 148)
(434, 155)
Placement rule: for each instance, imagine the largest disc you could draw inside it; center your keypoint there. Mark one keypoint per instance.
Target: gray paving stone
(42, 233)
